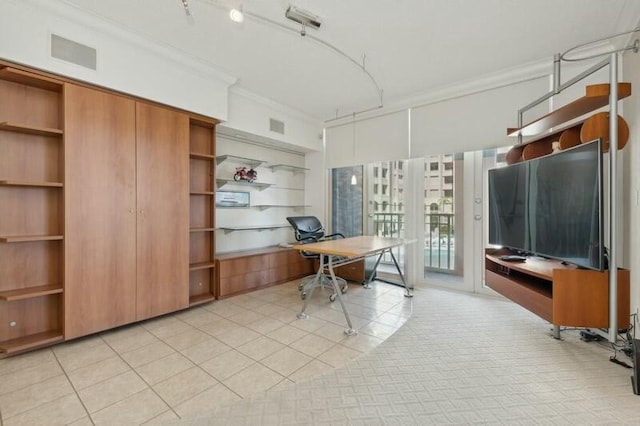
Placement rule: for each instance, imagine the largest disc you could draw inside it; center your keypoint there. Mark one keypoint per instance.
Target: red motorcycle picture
(243, 174)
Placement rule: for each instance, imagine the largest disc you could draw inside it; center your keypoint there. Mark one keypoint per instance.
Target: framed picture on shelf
(232, 199)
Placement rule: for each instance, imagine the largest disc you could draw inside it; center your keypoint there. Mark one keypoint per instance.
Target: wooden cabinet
(127, 210)
(244, 271)
(100, 251)
(560, 294)
(202, 277)
(31, 210)
(162, 182)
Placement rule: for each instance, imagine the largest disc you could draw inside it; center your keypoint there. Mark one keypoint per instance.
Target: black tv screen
(560, 214)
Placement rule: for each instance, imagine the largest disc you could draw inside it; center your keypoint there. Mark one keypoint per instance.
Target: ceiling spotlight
(301, 16)
(236, 15)
(185, 4)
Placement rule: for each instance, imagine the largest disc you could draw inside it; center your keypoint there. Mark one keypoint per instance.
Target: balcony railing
(439, 245)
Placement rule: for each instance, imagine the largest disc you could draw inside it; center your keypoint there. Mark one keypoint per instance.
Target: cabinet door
(100, 220)
(162, 137)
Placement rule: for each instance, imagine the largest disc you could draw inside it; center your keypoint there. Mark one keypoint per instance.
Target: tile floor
(189, 363)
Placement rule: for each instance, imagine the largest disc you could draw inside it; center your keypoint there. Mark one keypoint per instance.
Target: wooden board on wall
(162, 137)
(100, 226)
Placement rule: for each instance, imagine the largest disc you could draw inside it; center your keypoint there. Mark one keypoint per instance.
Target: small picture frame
(232, 199)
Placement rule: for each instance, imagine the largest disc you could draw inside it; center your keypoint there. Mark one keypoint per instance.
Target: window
(448, 179)
(384, 189)
(433, 166)
(375, 188)
(433, 207)
(384, 173)
(375, 172)
(448, 166)
(448, 193)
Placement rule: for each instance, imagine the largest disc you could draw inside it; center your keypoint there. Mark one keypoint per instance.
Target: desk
(348, 250)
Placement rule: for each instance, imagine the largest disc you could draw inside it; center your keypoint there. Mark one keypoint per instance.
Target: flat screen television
(551, 206)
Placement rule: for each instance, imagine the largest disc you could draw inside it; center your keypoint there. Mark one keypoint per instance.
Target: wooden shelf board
(202, 265)
(200, 299)
(202, 229)
(568, 112)
(250, 162)
(201, 156)
(210, 193)
(28, 183)
(18, 76)
(29, 238)
(32, 341)
(30, 292)
(32, 130)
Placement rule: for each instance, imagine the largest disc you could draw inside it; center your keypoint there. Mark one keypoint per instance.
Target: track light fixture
(304, 18)
(236, 15)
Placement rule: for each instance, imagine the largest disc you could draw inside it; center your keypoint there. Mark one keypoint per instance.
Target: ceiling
(410, 47)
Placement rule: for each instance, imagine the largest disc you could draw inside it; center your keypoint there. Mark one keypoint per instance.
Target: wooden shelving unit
(31, 210)
(202, 277)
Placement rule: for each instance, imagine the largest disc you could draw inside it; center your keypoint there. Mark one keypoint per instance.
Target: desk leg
(303, 314)
(406, 288)
(350, 331)
(367, 283)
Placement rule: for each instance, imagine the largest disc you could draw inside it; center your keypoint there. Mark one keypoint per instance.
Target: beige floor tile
(391, 319)
(83, 421)
(332, 332)
(27, 360)
(313, 369)
(163, 368)
(260, 348)
(267, 308)
(376, 329)
(147, 354)
(246, 301)
(134, 409)
(286, 361)
(61, 411)
(184, 386)
(84, 377)
(224, 308)
(227, 364)
(110, 391)
(287, 334)
(238, 336)
(282, 385)
(246, 317)
(24, 377)
(339, 355)
(362, 342)
(285, 315)
(218, 327)
(309, 325)
(167, 417)
(205, 351)
(166, 326)
(75, 355)
(312, 345)
(265, 325)
(17, 402)
(203, 317)
(188, 338)
(207, 401)
(128, 338)
(253, 379)
(331, 315)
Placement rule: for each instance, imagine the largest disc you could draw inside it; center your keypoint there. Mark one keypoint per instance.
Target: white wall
(125, 62)
(631, 73)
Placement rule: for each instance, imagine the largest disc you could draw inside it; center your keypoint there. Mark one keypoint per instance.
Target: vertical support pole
(613, 198)
(556, 73)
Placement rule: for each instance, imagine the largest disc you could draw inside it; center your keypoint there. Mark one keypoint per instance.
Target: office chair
(308, 229)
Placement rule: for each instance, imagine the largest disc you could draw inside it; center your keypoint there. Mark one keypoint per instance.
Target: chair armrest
(332, 236)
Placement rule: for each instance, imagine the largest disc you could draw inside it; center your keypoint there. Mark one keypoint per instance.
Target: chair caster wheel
(300, 287)
(344, 288)
(332, 298)
(303, 295)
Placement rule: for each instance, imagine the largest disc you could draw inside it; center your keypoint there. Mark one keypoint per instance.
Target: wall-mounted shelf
(29, 238)
(200, 299)
(31, 341)
(209, 193)
(294, 169)
(228, 229)
(269, 206)
(596, 97)
(29, 183)
(252, 163)
(260, 185)
(32, 130)
(202, 265)
(31, 292)
(208, 229)
(201, 156)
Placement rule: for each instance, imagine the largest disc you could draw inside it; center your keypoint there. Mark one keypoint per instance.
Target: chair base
(324, 281)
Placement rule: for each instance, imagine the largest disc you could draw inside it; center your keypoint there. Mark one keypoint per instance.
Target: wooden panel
(33, 158)
(100, 248)
(31, 316)
(201, 282)
(201, 175)
(525, 295)
(201, 211)
(202, 139)
(162, 138)
(29, 106)
(241, 283)
(200, 247)
(581, 298)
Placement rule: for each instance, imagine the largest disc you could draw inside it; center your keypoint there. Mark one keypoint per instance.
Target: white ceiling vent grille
(276, 126)
(71, 51)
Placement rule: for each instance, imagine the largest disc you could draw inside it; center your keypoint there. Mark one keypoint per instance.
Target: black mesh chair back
(308, 229)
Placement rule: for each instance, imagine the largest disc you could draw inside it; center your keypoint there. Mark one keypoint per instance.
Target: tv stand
(561, 294)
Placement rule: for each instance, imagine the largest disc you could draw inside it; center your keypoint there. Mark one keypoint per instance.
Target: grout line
(75, 391)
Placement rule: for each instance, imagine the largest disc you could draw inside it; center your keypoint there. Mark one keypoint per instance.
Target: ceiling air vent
(71, 51)
(276, 126)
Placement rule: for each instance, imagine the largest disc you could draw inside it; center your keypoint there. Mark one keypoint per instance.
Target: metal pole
(556, 73)
(613, 198)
